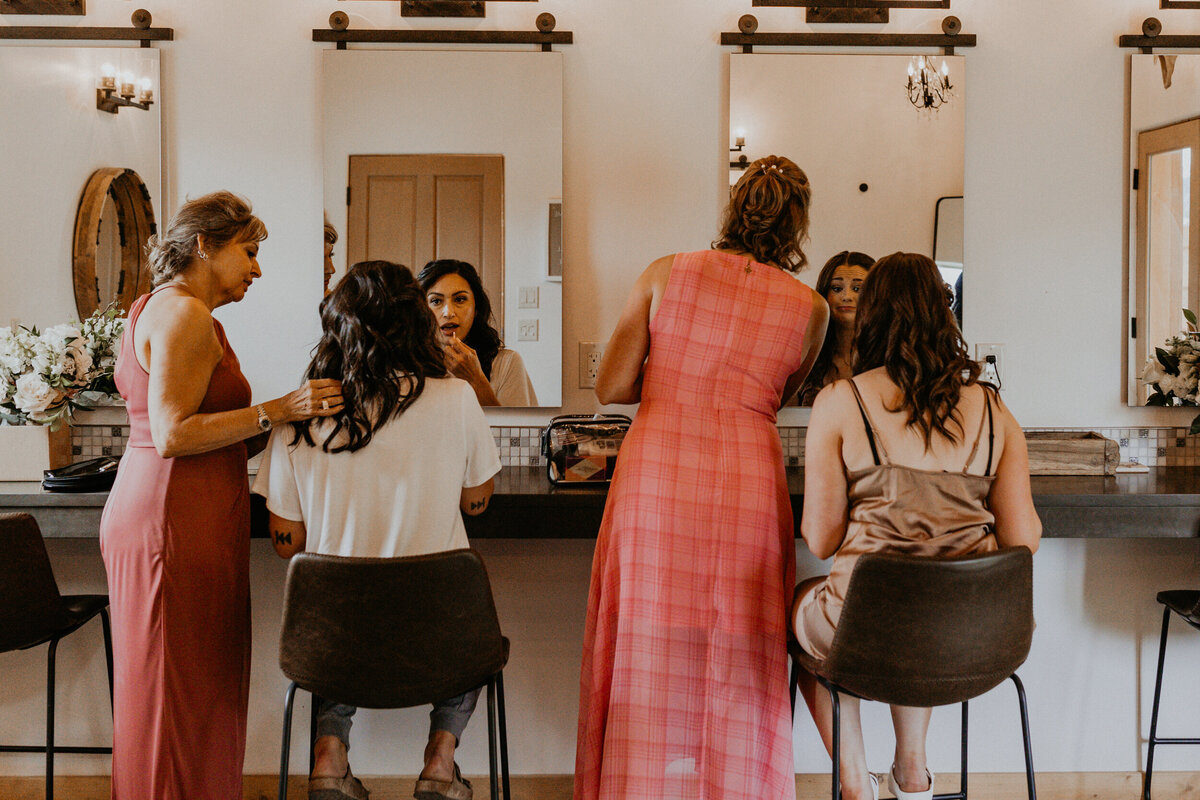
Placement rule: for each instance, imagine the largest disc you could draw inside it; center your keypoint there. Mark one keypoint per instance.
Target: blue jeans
(335, 719)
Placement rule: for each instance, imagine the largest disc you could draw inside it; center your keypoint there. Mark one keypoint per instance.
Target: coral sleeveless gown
(175, 537)
(684, 687)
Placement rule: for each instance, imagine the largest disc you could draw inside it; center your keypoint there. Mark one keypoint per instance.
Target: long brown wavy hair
(767, 214)
(905, 325)
(379, 339)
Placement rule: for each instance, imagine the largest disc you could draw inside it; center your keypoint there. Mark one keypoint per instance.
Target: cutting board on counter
(1071, 453)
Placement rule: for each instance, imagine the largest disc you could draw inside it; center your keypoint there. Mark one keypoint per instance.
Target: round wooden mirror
(114, 221)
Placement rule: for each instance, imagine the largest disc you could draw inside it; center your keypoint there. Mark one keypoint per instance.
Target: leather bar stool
(394, 633)
(33, 612)
(1185, 603)
(923, 632)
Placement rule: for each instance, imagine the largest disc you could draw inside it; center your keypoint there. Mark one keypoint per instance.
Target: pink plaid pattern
(684, 689)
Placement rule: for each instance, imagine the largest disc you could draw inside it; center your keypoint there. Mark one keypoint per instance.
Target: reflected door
(1168, 235)
(412, 209)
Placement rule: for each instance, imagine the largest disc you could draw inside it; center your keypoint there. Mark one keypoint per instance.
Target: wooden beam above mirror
(339, 32)
(140, 32)
(48, 7)
(857, 11)
(449, 8)
(1152, 37)
(748, 37)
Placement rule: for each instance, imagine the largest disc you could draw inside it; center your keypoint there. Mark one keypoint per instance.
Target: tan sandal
(458, 788)
(346, 787)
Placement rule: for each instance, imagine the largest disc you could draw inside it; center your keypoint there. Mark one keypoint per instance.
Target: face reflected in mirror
(331, 238)
(453, 305)
(843, 294)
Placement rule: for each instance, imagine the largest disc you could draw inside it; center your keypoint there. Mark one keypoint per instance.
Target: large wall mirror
(54, 139)
(432, 154)
(878, 165)
(1164, 147)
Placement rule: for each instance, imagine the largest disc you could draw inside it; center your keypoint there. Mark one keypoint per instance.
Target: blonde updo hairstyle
(768, 213)
(220, 217)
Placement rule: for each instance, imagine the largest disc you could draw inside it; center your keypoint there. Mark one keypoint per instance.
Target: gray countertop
(1163, 503)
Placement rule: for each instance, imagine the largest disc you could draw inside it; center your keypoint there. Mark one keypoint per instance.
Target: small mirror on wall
(115, 220)
(54, 140)
(1164, 143)
(456, 155)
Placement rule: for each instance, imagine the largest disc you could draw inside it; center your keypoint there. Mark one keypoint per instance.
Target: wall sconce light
(928, 86)
(112, 97)
(743, 160)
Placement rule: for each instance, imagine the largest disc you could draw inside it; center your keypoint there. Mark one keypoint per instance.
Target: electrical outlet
(589, 363)
(982, 351)
(527, 330)
(528, 297)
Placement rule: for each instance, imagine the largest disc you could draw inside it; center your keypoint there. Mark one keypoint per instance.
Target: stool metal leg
(961, 794)
(287, 740)
(50, 720)
(1162, 652)
(837, 741)
(503, 738)
(1025, 736)
(108, 657)
(492, 766)
(793, 682)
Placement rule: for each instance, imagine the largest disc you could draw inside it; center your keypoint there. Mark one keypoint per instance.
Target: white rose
(33, 395)
(58, 335)
(1153, 371)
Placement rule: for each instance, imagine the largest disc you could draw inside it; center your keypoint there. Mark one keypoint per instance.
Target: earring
(203, 255)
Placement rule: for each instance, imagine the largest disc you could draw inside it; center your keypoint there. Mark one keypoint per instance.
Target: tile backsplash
(521, 446)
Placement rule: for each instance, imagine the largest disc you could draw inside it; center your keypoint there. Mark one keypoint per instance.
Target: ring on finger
(325, 404)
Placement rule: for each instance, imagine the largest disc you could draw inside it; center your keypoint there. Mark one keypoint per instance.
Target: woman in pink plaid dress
(684, 689)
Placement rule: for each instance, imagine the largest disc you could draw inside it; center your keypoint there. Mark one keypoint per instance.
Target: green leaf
(1190, 316)
(1157, 399)
(1170, 363)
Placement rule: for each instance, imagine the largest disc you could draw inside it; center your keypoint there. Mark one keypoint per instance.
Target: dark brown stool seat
(394, 633)
(33, 612)
(922, 632)
(1185, 603)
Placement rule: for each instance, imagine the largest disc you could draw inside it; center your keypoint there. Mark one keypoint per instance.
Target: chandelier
(928, 85)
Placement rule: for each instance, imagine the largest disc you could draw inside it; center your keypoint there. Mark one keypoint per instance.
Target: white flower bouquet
(45, 376)
(1172, 370)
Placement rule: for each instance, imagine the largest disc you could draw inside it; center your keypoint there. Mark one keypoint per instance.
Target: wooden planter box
(1071, 453)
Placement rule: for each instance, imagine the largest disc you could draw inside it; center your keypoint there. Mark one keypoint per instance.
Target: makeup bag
(581, 449)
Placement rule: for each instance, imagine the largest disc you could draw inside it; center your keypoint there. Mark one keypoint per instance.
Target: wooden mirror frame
(135, 222)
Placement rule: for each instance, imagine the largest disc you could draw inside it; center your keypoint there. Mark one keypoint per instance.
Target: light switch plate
(528, 297)
(527, 330)
(590, 354)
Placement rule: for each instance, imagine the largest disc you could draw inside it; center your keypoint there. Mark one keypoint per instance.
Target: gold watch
(264, 422)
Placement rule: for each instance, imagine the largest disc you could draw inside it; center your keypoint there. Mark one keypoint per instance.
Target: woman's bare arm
(1011, 499)
(288, 535)
(474, 499)
(620, 377)
(826, 509)
(814, 337)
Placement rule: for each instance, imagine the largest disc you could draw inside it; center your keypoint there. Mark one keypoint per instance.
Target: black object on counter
(93, 475)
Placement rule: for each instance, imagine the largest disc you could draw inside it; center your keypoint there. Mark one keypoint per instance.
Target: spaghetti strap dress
(684, 688)
(175, 539)
(899, 509)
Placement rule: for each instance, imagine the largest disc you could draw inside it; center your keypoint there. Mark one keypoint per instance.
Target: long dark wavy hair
(816, 379)
(379, 339)
(767, 215)
(483, 338)
(905, 325)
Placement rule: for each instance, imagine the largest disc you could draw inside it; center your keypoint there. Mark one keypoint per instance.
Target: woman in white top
(474, 351)
(387, 476)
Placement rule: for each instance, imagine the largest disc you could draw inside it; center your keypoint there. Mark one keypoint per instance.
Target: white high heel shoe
(903, 795)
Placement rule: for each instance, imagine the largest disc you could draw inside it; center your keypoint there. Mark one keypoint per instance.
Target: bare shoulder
(831, 404)
(658, 272)
(179, 318)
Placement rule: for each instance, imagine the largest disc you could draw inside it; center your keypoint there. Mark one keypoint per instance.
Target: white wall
(53, 138)
(645, 137)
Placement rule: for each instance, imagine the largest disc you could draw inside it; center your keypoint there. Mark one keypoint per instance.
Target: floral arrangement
(1172, 370)
(45, 376)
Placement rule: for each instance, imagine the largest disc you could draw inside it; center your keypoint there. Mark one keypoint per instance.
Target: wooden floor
(984, 786)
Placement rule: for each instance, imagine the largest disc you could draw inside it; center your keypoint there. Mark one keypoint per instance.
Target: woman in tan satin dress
(912, 455)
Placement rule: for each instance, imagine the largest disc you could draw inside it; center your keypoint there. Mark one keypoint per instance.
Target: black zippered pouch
(93, 475)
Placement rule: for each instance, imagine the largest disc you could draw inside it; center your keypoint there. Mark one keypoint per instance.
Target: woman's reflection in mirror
(840, 282)
(331, 237)
(474, 349)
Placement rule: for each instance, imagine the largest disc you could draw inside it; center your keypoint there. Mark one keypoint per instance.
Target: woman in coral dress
(684, 687)
(175, 535)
